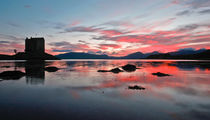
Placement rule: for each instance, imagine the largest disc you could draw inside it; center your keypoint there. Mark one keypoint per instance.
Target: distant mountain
(180, 54)
(152, 53)
(187, 51)
(202, 55)
(137, 55)
(80, 55)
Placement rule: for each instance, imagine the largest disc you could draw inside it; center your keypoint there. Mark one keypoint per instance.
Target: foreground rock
(129, 68)
(103, 70)
(51, 69)
(159, 74)
(11, 75)
(136, 87)
(115, 70)
(5, 66)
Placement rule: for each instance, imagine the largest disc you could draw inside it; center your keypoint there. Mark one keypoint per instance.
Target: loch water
(78, 92)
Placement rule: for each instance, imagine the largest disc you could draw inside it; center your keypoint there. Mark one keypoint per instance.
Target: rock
(11, 75)
(116, 70)
(103, 71)
(129, 68)
(5, 66)
(159, 74)
(136, 87)
(51, 69)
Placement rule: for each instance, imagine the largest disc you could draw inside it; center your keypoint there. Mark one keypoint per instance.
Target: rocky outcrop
(136, 87)
(159, 74)
(11, 75)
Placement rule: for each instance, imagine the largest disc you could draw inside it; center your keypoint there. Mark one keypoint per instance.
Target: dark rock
(116, 70)
(129, 68)
(51, 69)
(11, 75)
(103, 70)
(159, 74)
(5, 66)
(136, 87)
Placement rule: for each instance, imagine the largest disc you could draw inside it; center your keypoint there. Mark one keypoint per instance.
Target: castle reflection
(35, 73)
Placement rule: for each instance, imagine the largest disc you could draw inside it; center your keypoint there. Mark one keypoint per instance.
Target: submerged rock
(5, 66)
(129, 68)
(159, 74)
(11, 75)
(116, 70)
(103, 71)
(51, 69)
(136, 87)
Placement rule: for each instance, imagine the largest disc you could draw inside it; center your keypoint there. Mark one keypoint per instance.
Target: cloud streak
(206, 11)
(10, 37)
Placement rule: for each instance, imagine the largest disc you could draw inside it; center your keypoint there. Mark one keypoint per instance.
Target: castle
(35, 46)
(34, 50)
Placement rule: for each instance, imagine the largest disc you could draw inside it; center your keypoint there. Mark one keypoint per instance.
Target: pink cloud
(106, 46)
(8, 48)
(111, 33)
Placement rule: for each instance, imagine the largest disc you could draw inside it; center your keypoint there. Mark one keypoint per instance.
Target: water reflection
(35, 73)
(192, 65)
(78, 91)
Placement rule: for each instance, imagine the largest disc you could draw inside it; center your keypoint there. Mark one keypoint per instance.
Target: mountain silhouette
(187, 51)
(137, 55)
(204, 55)
(81, 55)
(180, 54)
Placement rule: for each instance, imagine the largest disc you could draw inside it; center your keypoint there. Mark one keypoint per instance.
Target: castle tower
(35, 46)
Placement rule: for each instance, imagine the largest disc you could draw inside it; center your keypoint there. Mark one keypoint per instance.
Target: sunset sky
(113, 27)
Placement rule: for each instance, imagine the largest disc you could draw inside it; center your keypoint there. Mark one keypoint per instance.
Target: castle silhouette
(34, 50)
(35, 45)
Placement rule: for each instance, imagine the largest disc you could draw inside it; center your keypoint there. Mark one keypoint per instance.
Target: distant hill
(80, 55)
(204, 55)
(152, 53)
(180, 54)
(187, 51)
(137, 55)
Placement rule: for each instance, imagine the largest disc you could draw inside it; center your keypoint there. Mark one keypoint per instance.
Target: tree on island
(15, 51)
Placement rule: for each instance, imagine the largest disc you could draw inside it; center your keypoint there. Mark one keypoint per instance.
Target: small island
(34, 50)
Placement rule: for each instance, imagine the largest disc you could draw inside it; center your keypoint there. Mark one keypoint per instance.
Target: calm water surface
(78, 92)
